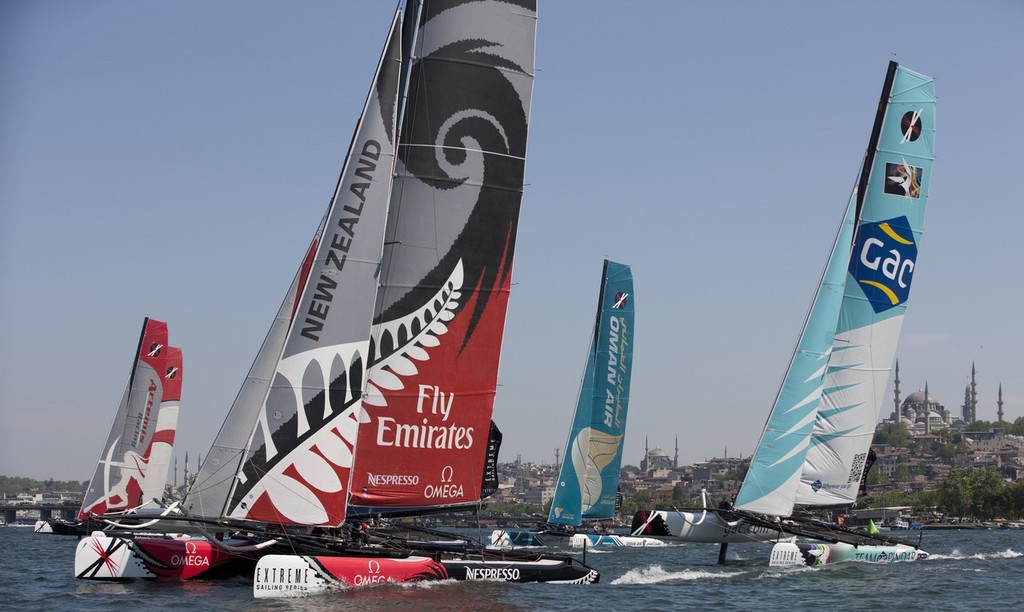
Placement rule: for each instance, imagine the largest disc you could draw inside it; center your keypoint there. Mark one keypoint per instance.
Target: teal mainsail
(588, 481)
(893, 190)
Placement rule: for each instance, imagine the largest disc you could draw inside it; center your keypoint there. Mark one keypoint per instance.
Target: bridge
(48, 510)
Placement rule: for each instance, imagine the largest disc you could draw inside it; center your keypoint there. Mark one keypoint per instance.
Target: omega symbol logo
(191, 548)
(373, 567)
(447, 474)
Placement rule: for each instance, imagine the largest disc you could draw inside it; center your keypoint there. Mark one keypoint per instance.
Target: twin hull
(180, 557)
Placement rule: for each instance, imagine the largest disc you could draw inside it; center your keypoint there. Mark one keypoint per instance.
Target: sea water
(967, 570)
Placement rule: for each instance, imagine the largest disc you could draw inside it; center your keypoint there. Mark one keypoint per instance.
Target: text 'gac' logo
(883, 262)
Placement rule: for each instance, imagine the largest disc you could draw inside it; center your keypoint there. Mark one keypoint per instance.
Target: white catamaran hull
(786, 554)
(704, 527)
(588, 540)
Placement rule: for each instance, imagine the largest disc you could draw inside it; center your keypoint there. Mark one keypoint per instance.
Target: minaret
(675, 460)
(646, 465)
(999, 412)
(966, 408)
(927, 410)
(974, 395)
(896, 414)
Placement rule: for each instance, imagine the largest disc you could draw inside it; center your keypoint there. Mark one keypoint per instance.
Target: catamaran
(426, 441)
(588, 481)
(132, 470)
(815, 447)
(374, 387)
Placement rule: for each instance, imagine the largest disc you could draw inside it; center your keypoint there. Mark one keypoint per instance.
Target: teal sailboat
(588, 481)
(587, 486)
(814, 449)
(890, 211)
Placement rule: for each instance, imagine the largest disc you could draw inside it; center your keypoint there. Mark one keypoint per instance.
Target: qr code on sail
(858, 467)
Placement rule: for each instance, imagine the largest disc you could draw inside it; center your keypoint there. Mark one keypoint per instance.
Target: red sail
(428, 445)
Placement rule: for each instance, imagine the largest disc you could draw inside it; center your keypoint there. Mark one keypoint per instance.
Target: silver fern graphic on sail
(411, 336)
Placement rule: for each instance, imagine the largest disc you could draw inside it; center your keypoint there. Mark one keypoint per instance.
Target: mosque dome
(918, 398)
(657, 452)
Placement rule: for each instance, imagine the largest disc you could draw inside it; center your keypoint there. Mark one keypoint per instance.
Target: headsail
(118, 482)
(296, 468)
(770, 484)
(588, 481)
(892, 193)
(208, 493)
(447, 264)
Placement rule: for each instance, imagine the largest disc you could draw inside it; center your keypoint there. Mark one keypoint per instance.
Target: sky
(172, 159)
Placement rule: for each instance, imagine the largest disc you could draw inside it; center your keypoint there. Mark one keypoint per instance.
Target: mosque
(656, 458)
(923, 414)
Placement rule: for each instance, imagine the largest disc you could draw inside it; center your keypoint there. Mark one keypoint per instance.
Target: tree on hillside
(954, 492)
(975, 492)
(979, 426)
(893, 434)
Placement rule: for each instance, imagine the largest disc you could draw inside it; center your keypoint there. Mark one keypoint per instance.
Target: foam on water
(955, 554)
(656, 574)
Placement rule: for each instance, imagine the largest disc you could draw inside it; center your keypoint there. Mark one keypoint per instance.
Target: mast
(876, 132)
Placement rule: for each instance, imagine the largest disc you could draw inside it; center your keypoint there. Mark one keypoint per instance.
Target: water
(968, 570)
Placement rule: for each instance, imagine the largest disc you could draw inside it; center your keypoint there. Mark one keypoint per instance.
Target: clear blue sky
(173, 159)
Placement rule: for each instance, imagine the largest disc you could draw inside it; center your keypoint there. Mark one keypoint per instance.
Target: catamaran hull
(505, 539)
(786, 554)
(297, 575)
(63, 527)
(103, 557)
(589, 540)
(704, 527)
(552, 570)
